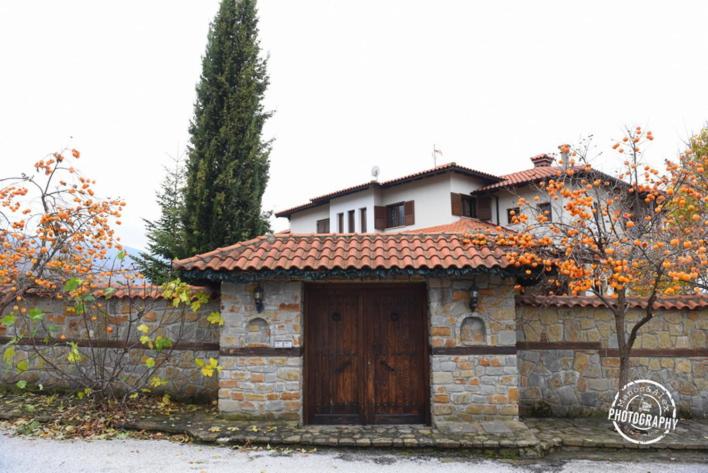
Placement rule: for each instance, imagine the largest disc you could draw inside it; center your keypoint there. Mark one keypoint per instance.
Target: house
(372, 309)
(437, 196)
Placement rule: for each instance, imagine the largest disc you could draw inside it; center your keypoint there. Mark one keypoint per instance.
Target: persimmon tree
(58, 246)
(639, 234)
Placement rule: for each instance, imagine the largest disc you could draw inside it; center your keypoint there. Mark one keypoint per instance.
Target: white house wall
(364, 199)
(432, 201)
(306, 221)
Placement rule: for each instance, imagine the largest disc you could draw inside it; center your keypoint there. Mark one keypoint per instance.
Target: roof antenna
(436, 152)
(375, 171)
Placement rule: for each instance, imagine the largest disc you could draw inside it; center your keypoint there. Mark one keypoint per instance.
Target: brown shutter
(379, 217)
(484, 208)
(409, 211)
(456, 201)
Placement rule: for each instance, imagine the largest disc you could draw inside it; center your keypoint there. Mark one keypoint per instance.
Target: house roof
(462, 225)
(523, 177)
(347, 251)
(442, 169)
(681, 302)
(540, 173)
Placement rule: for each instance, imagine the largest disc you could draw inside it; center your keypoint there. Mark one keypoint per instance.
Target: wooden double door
(366, 354)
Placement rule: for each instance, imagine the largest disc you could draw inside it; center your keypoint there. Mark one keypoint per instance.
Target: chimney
(565, 158)
(542, 160)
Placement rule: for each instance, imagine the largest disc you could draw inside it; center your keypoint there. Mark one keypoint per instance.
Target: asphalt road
(24, 455)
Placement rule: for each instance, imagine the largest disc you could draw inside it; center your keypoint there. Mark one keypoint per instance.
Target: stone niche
(257, 333)
(473, 331)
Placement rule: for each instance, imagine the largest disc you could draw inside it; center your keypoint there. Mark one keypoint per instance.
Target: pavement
(528, 438)
(28, 455)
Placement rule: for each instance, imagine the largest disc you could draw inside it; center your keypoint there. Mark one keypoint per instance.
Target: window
(545, 209)
(395, 215)
(351, 224)
(340, 222)
(469, 206)
(511, 214)
(323, 226)
(362, 217)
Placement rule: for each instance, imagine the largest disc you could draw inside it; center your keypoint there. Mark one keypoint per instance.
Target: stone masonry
(467, 386)
(183, 377)
(579, 382)
(257, 386)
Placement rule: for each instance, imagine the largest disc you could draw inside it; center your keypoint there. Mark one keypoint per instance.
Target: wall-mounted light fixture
(474, 297)
(258, 298)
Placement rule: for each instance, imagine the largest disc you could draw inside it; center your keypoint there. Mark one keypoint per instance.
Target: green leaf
(142, 328)
(35, 314)
(8, 355)
(156, 382)
(22, 366)
(8, 320)
(162, 342)
(208, 368)
(109, 292)
(21, 384)
(74, 355)
(145, 340)
(215, 318)
(150, 362)
(72, 284)
(121, 255)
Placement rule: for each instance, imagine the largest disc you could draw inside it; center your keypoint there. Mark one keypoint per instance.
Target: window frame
(509, 219)
(401, 220)
(323, 222)
(471, 203)
(351, 221)
(542, 207)
(340, 222)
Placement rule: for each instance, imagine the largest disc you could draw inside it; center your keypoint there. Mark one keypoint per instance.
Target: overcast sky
(354, 84)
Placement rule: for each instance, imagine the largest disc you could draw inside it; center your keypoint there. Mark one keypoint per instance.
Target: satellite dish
(375, 172)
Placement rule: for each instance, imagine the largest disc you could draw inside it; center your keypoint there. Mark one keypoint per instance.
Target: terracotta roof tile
(462, 225)
(683, 302)
(524, 177)
(538, 174)
(347, 251)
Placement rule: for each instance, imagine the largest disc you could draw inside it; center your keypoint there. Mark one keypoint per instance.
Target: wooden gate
(366, 354)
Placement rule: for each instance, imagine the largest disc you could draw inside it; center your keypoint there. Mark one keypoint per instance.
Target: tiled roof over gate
(347, 251)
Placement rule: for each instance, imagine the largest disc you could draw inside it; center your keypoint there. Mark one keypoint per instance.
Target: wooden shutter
(456, 201)
(484, 208)
(379, 217)
(409, 211)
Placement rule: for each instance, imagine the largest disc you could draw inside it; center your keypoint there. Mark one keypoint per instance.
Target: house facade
(425, 199)
(374, 309)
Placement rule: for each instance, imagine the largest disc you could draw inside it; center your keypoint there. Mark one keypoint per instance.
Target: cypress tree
(227, 169)
(165, 235)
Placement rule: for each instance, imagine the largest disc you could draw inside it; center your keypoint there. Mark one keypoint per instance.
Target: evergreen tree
(227, 169)
(165, 235)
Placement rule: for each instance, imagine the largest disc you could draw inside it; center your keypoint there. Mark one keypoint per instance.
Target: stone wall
(474, 367)
(191, 332)
(261, 385)
(562, 377)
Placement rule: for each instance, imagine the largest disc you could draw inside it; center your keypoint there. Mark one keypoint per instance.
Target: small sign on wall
(283, 344)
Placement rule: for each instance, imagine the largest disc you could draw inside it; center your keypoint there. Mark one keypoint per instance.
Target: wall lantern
(474, 297)
(258, 298)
